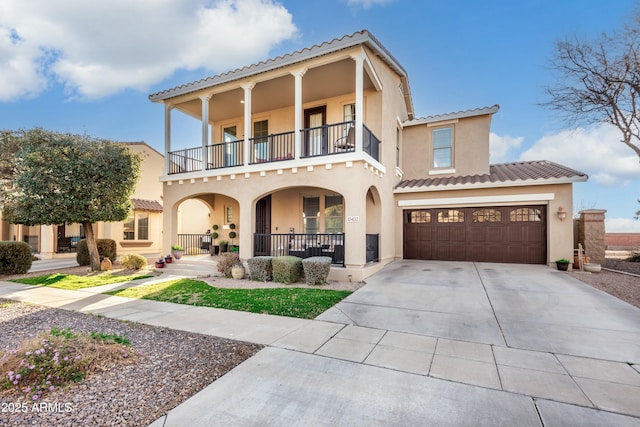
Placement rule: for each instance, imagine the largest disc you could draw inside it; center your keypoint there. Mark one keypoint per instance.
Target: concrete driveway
(443, 344)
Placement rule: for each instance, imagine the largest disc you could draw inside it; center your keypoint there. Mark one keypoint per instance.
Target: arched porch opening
(204, 223)
(301, 221)
(373, 225)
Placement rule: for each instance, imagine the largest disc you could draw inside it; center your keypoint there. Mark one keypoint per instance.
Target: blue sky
(88, 67)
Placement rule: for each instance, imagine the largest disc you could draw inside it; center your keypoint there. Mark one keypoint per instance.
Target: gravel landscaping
(173, 365)
(623, 286)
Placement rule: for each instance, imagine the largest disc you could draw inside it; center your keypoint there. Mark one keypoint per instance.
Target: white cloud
(501, 147)
(595, 150)
(622, 225)
(99, 48)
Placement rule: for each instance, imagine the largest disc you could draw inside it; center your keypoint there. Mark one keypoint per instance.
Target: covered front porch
(325, 140)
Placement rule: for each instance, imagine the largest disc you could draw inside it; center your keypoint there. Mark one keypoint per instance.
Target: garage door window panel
(451, 215)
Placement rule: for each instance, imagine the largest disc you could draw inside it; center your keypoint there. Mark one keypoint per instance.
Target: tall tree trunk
(92, 246)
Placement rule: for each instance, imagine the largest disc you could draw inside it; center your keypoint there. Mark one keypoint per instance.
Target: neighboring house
(141, 233)
(318, 152)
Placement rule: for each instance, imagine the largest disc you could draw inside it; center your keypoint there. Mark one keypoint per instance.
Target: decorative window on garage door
(486, 215)
(419, 217)
(525, 215)
(451, 215)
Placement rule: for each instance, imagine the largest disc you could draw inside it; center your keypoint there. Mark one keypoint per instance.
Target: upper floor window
(349, 112)
(443, 147)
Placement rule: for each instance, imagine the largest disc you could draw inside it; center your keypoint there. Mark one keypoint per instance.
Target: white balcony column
(167, 136)
(247, 121)
(297, 74)
(359, 58)
(205, 129)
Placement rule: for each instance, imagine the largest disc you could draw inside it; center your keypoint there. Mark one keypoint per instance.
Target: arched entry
(374, 224)
(300, 221)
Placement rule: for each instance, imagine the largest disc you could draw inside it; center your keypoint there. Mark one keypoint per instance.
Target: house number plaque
(354, 218)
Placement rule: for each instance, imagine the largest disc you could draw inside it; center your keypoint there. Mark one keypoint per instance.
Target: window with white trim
(442, 143)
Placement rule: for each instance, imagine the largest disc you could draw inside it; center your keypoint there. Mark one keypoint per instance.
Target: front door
(315, 143)
(263, 227)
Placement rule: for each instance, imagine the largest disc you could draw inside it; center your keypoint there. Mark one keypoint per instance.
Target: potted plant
(237, 271)
(214, 236)
(168, 259)
(177, 251)
(224, 246)
(562, 264)
(232, 233)
(159, 262)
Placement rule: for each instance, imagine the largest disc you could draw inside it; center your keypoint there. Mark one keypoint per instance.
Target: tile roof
(146, 205)
(455, 115)
(537, 172)
(363, 37)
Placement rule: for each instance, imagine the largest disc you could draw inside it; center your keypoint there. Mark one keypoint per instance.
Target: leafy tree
(66, 178)
(599, 81)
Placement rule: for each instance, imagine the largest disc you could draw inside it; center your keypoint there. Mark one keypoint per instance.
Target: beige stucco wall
(470, 147)
(559, 233)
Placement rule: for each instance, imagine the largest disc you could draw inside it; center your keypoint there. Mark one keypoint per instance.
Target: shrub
(15, 257)
(133, 261)
(635, 257)
(316, 269)
(226, 261)
(261, 268)
(106, 249)
(287, 269)
(59, 358)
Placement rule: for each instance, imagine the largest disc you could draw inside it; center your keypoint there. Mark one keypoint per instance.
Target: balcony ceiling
(327, 81)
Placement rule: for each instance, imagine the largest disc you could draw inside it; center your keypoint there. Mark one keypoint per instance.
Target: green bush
(226, 261)
(106, 249)
(287, 269)
(15, 257)
(133, 261)
(261, 268)
(316, 269)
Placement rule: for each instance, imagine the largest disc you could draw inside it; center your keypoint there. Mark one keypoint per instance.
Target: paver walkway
(422, 343)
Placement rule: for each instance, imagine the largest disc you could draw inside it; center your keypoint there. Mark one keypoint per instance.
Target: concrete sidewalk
(422, 343)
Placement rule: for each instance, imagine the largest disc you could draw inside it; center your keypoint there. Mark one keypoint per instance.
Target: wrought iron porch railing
(300, 245)
(319, 141)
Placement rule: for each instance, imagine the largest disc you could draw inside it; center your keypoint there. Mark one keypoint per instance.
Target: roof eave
(479, 185)
(360, 38)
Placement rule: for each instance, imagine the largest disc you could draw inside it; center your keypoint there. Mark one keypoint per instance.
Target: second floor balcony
(327, 140)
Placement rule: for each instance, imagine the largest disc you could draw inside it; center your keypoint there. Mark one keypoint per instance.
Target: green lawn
(71, 281)
(304, 303)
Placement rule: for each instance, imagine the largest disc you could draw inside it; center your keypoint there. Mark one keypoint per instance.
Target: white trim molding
(488, 200)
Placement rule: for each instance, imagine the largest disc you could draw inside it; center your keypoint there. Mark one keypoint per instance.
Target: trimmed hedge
(15, 257)
(106, 249)
(287, 269)
(316, 269)
(133, 261)
(226, 261)
(261, 268)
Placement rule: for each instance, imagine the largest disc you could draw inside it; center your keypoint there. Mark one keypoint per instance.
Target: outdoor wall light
(562, 214)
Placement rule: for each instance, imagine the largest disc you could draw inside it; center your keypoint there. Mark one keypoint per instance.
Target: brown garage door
(490, 234)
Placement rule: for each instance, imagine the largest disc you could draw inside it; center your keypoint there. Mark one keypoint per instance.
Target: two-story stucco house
(318, 152)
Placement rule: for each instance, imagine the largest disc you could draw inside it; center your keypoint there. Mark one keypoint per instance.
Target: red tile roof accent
(146, 205)
(533, 172)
